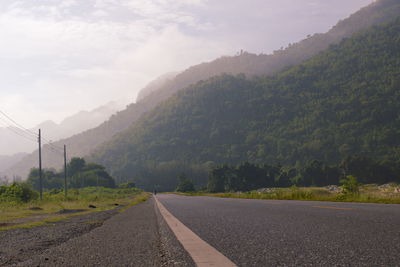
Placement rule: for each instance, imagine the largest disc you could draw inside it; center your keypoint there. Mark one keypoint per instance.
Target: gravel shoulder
(19, 245)
(136, 237)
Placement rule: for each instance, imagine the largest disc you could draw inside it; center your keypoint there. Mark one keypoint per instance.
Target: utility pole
(65, 170)
(40, 166)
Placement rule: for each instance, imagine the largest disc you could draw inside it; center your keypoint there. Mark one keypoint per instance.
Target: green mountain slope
(344, 101)
(250, 64)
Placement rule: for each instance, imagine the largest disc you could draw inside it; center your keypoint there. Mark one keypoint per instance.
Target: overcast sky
(61, 56)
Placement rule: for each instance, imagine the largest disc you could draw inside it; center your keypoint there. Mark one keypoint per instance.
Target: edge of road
(200, 251)
(172, 252)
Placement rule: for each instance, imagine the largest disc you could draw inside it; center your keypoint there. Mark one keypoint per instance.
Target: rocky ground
(135, 237)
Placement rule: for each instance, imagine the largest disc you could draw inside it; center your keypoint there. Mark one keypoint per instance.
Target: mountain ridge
(83, 144)
(344, 101)
(81, 121)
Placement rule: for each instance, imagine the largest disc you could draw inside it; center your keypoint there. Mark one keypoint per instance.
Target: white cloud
(72, 63)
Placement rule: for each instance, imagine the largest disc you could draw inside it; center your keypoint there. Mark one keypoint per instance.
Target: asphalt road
(293, 233)
(135, 237)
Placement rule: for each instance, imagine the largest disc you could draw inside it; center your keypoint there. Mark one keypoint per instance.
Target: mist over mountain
(249, 64)
(14, 148)
(11, 144)
(9, 160)
(156, 85)
(344, 101)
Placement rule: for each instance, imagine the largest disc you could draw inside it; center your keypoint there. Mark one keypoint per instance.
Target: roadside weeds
(367, 194)
(34, 218)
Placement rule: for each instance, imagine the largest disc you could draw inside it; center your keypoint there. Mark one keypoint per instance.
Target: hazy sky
(61, 56)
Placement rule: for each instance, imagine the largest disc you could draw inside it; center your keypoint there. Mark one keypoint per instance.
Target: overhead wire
(16, 128)
(24, 132)
(18, 133)
(50, 143)
(54, 147)
(49, 148)
(17, 124)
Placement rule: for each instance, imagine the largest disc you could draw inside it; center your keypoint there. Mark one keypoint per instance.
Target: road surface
(136, 237)
(293, 233)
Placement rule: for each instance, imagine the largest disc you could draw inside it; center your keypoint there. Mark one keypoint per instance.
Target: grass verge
(57, 207)
(387, 194)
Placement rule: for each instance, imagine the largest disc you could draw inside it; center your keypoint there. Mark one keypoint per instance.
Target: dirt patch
(35, 208)
(6, 224)
(69, 211)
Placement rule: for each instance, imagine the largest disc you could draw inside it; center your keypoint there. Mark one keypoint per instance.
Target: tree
(216, 179)
(80, 175)
(75, 166)
(350, 185)
(185, 185)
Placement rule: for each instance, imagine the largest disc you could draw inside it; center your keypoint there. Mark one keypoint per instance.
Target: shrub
(185, 185)
(20, 192)
(127, 185)
(350, 185)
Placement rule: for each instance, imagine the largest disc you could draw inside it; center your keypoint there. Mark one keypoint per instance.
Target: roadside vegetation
(366, 181)
(15, 212)
(80, 174)
(90, 189)
(185, 185)
(350, 191)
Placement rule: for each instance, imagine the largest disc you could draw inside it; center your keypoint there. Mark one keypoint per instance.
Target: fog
(59, 57)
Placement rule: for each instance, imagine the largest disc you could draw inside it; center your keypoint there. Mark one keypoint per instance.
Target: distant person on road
(155, 192)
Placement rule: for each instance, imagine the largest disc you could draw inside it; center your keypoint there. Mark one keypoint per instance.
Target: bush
(19, 192)
(127, 185)
(185, 185)
(350, 185)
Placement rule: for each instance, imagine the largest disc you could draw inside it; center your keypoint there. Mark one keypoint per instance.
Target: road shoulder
(135, 237)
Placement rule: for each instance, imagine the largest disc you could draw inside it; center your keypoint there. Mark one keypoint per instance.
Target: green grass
(368, 194)
(20, 215)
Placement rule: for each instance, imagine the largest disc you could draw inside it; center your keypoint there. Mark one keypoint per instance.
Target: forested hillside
(156, 85)
(252, 64)
(246, 63)
(344, 101)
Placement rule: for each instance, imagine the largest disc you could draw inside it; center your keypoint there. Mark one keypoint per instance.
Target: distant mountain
(246, 63)
(343, 101)
(8, 161)
(156, 85)
(10, 143)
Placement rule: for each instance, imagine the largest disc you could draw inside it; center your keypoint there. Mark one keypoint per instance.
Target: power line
(51, 149)
(21, 132)
(24, 131)
(17, 130)
(19, 125)
(54, 147)
(17, 133)
(28, 134)
(50, 143)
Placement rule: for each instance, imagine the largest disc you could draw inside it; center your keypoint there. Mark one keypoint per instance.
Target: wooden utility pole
(65, 170)
(40, 166)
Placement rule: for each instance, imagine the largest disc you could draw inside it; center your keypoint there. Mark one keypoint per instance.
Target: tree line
(247, 176)
(80, 174)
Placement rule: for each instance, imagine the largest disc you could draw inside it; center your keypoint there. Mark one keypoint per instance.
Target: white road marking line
(201, 252)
